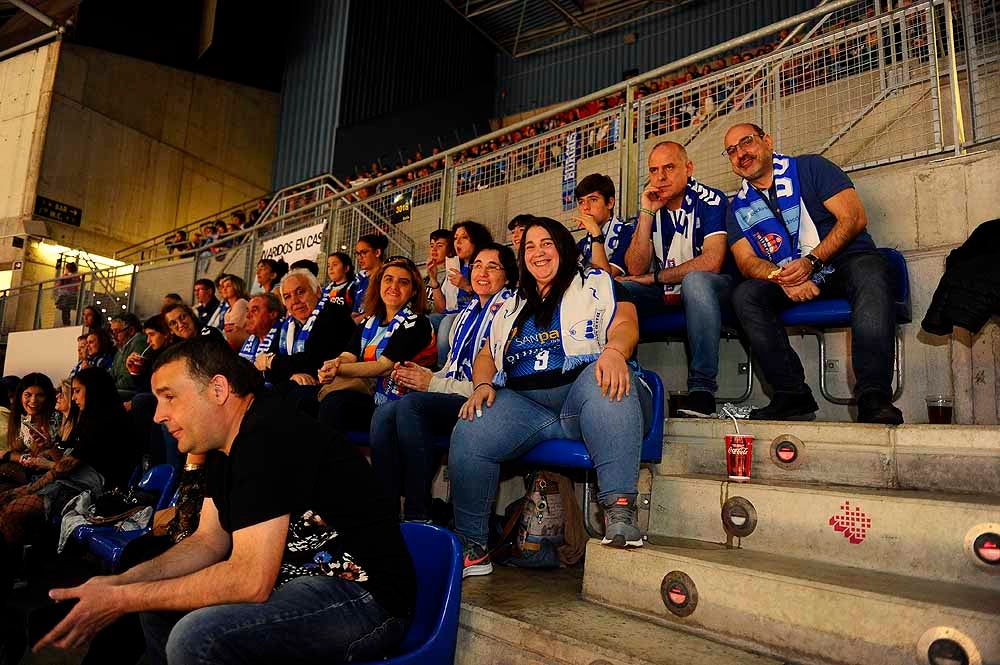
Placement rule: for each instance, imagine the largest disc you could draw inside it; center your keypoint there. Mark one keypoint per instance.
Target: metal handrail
(157, 240)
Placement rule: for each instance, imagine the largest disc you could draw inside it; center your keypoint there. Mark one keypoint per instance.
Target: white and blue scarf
(612, 231)
(386, 389)
(773, 239)
(253, 346)
(218, 319)
(588, 306)
(471, 328)
(291, 338)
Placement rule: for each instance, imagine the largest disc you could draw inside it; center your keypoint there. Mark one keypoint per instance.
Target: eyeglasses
(362, 252)
(744, 143)
(488, 267)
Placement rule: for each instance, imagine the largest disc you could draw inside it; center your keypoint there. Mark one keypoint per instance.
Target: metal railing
(866, 87)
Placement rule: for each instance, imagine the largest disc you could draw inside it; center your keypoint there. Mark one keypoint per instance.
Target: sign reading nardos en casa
(305, 243)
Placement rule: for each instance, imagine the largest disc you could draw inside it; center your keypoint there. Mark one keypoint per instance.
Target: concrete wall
(925, 209)
(142, 148)
(25, 92)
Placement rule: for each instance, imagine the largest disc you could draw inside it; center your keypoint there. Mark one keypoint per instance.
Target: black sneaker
(621, 522)
(698, 404)
(475, 560)
(787, 406)
(876, 408)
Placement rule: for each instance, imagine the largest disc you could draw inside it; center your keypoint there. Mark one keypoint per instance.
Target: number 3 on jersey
(542, 360)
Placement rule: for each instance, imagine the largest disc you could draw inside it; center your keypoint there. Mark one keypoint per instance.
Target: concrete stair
(529, 617)
(851, 544)
(797, 609)
(946, 458)
(904, 532)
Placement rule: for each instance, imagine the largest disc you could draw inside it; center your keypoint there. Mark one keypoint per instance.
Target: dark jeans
(404, 458)
(308, 620)
(347, 411)
(865, 279)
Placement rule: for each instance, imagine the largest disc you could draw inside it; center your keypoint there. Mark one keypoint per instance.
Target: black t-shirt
(107, 443)
(284, 463)
(405, 344)
(534, 357)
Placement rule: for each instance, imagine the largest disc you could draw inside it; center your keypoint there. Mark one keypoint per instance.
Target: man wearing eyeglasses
(676, 258)
(797, 230)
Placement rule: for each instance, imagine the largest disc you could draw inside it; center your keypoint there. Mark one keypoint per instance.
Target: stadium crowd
(496, 347)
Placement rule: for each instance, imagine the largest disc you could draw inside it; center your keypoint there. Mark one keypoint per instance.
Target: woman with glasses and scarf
(395, 331)
(402, 432)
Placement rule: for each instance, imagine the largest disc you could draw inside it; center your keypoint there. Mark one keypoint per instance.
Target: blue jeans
(704, 294)
(308, 620)
(519, 420)
(865, 279)
(443, 330)
(404, 458)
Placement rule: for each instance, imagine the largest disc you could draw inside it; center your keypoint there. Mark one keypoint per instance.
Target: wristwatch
(816, 262)
(599, 238)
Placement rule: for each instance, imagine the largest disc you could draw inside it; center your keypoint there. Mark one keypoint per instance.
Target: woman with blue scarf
(394, 331)
(402, 431)
(558, 364)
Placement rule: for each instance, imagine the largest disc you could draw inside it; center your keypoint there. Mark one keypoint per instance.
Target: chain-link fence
(982, 35)
(537, 176)
(402, 214)
(860, 93)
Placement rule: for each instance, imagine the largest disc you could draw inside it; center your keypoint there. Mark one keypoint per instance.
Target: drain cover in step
(982, 542)
(946, 646)
(787, 451)
(679, 593)
(739, 517)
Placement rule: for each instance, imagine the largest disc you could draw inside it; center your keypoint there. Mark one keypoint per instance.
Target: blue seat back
(159, 479)
(433, 632)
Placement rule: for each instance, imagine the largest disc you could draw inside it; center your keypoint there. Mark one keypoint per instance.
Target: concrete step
(920, 534)
(805, 611)
(536, 617)
(949, 458)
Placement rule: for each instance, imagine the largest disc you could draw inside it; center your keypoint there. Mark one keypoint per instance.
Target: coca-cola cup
(739, 454)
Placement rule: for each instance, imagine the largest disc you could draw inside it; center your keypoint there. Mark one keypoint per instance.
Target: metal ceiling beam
(24, 46)
(34, 13)
(489, 7)
(602, 29)
(570, 18)
(553, 30)
(485, 34)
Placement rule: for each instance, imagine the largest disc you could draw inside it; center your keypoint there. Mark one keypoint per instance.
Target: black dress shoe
(877, 408)
(787, 406)
(698, 404)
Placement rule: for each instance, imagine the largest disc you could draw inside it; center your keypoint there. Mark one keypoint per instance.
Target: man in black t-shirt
(295, 557)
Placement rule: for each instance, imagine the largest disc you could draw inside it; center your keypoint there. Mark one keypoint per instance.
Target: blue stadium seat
(108, 542)
(817, 316)
(569, 453)
(437, 557)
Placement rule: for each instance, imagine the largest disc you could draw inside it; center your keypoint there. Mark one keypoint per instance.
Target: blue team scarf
(585, 313)
(666, 226)
(253, 346)
(291, 341)
(359, 287)
(464, 297)
(386, 389)
(218, 319)
(770, 239)
(612, 231)
(471, 331)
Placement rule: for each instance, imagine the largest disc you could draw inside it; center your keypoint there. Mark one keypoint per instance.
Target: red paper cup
(739, 455)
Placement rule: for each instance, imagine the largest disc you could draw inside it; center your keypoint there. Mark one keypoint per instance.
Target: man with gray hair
(129, 338)
(264, 317)
(315, 330)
